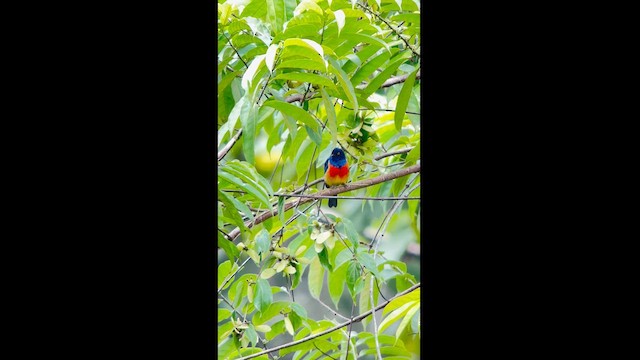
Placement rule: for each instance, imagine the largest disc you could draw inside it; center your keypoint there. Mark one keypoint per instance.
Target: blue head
(337, 159)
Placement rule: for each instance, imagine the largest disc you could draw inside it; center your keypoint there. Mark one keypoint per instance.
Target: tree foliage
(297, 78)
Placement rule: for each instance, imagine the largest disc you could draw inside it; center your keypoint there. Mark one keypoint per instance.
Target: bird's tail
(333, 202)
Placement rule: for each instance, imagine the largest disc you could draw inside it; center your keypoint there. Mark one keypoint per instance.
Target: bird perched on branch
(336, 171)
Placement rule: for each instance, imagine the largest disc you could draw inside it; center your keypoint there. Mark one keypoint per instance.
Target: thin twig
(236, 51)
(373, 317)
(232, 275)
(323, 353)
(333, 311)
(337, 327)
(391, 153)
(353, 307)
(387, 217)
(390, 27)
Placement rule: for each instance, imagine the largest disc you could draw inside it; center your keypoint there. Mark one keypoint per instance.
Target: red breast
(338, 171)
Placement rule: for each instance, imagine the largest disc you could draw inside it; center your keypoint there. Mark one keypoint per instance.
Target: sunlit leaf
(293, 111)
(385, 74)
(403, 99)
(270, 57)
(344, 81)
(396, 315)
(307, 77)
(339, 19)
(407, 319)
(402, 300)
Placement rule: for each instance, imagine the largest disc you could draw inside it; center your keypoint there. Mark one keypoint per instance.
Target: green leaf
(240, 293)
(307, 78)
(407, 319)
(399, 184)
(230, 210)
(351, 232)
(364, 38)
(248, 77)
(228, 247)
(250, 174)
(403, 99)
(256, 9)
(281, 202)
(223, 314)
(396, 315)
(263, 296)
(367, 69)
(402, 300)
(323, 256)
(273, 310)
(364, 303)
(226, 80)
(250, 332)
(336, 283)
(353, 273)
(270, 57)
(385, 74)
(263, 242)
(315, 278)
(402, 266)
(302, 313)
(315, 48)
(342, 257)
(276, 15)
(288, 325)
(239, 205)
(331, 116)
(388, 350)
(224, 270)
(249, 187)
(367, 261)
(314, 136)
(344, 81)
(241, 107)
(224, 330)
(306, 64)
(276, 330)
(293, 111)
(413, 155)
(324, 154)
(307, 5)
(249, 121)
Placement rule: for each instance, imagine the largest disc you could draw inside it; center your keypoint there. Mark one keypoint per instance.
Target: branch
(391, 153)
(331, 191)
(337, 327)
(390, 82)
(299, 97)
(388, 110)
(397, 80)
(349, 197)
(229, 145)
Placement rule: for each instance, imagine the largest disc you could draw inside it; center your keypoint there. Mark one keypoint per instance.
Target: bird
(336, 171)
